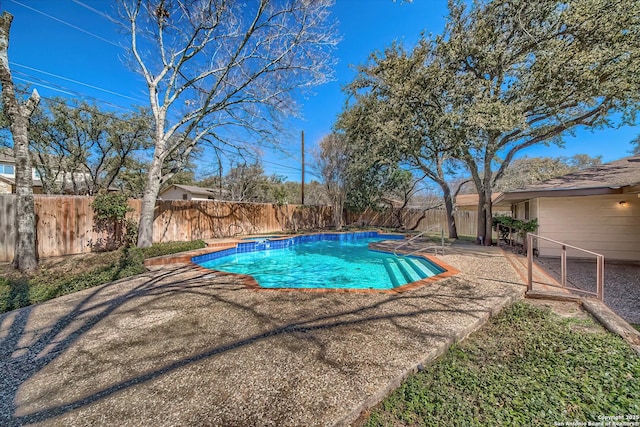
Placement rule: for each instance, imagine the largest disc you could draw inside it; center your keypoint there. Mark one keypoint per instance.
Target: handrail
(395, 250)
(563, 266)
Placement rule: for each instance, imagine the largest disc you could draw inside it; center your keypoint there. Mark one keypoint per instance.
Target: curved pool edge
(251, 283)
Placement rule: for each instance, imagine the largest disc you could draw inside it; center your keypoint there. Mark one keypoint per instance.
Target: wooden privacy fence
(64, 224)
(417, 219)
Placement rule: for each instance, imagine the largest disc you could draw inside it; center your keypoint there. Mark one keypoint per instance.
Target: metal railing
(395, 250)
(563, 267)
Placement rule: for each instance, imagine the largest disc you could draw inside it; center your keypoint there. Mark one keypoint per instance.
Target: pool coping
(249, 282)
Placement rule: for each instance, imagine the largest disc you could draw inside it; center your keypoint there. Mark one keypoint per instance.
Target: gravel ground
(621, 283)
(182, 346)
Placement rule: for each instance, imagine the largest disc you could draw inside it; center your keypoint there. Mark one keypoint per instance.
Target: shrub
(21, 291)
(507, 225)
(110, 217)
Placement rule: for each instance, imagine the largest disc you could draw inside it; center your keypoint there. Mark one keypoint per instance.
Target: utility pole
(302, 168)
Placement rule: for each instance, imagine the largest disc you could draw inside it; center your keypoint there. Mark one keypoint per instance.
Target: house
(597, 209)
(59, 181)
(8, 174)
(189, 192)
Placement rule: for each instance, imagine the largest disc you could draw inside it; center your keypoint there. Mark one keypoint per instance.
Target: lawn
(64, 275)
(527, 366)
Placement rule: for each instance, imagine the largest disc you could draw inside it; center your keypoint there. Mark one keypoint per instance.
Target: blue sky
(58, 57)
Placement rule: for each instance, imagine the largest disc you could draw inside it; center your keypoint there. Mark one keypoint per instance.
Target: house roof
(6, 155)
(201, 191)
(620, 176)
(471, 200)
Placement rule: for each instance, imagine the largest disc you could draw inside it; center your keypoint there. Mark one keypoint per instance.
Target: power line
(59, 101)
(255, 156)
(67, 23)
(96, 11)
(65, 90)
(74, 81)
(42, 85)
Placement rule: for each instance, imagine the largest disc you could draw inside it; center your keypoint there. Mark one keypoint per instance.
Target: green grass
(18, 291)
(527, 366)
(637, 326)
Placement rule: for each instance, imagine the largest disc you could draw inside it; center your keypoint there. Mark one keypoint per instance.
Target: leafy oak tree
(216, 69)
(25, 255)
(527, 71)
(83, 149)
(401, 115)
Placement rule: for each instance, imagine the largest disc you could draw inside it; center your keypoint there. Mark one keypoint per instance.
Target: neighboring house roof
(620, 176)
(200, 191)
(4, 157)
(471, 200)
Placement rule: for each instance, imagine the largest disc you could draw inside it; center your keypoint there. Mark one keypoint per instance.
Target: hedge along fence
(65, 225)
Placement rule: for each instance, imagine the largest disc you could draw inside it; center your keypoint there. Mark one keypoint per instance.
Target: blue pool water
(336, 261)
(260, 238)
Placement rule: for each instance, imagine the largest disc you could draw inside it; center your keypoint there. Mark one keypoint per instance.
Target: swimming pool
(325, 261)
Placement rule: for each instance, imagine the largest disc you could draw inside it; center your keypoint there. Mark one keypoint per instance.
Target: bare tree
(333, 159)
(25, 258)
(215, 67)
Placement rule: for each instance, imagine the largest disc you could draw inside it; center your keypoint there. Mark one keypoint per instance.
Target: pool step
(407, 270)
(423, 267)
(403, 270)
(396, 276)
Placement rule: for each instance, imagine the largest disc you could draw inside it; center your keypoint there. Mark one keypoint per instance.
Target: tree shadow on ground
(24, 351)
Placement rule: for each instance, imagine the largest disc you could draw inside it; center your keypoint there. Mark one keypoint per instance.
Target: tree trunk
(485, 218)
(448, 207)
(439, 179)
(488, 240)
(338, 208)
(482, 221)
(25, 255)
(147, 212)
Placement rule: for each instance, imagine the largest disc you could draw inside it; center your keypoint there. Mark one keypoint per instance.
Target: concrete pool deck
(182, 346)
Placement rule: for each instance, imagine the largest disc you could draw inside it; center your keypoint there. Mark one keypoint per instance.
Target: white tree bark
(26, 256)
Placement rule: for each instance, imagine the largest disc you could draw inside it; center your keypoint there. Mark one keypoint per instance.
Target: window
(185, 196)
(526, 210)
(7, 169)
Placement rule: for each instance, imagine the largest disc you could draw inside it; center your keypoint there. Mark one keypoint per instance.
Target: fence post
(563, 266)
(600, 278)
(529, 263)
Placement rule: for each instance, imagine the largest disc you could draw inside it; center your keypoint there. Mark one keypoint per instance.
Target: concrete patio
(183, 346)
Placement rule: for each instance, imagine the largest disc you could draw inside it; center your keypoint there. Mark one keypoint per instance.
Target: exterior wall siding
(596, 223)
